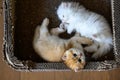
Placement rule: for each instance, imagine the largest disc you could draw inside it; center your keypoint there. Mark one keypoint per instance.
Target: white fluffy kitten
(75, 17)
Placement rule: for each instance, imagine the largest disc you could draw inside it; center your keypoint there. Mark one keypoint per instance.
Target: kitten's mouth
(66, 22)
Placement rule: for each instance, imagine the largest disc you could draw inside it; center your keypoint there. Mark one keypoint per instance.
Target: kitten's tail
(103, 48)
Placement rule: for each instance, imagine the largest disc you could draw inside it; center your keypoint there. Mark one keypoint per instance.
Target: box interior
(29, 13)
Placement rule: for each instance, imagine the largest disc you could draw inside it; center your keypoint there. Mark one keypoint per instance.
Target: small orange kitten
(52, 48)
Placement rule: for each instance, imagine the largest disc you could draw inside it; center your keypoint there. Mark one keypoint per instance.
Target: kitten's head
(74, 59)
(66, 10)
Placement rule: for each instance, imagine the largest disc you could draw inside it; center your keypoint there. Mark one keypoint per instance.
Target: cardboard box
(21, 18)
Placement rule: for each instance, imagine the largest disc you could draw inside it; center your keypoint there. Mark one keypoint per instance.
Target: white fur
(75, 17)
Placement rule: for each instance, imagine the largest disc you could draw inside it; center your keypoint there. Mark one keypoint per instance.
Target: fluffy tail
(103, 49)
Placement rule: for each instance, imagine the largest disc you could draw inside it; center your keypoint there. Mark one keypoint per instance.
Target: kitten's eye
(74, 55)
(79, 60)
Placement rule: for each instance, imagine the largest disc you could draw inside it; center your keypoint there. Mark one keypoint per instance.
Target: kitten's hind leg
(45, 22)
(41, 31)
(92, 48)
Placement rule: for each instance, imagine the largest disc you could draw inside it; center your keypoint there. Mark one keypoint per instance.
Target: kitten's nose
(63, 21)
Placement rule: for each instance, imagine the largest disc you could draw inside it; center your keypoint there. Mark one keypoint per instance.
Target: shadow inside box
(30, 13)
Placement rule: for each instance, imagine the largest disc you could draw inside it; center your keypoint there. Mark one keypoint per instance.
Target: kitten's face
(64, 12)
(74, 59)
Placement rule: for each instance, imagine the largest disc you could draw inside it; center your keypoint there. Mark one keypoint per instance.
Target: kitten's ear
(64, 4)
(64, 57)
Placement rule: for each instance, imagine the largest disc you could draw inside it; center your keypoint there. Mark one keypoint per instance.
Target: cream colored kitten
(52, 48)
(75, 17)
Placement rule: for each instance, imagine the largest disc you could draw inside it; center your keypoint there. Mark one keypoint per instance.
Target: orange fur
(71, 61)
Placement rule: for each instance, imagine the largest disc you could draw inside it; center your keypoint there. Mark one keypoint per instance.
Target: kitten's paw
(58, 30)
(61, 29)
(63, 26)
(46, 20)
(88, 41)
(89, 49)
(96, 55)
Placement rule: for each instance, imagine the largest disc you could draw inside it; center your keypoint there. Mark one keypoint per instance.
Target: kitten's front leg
(57, 31)
(82, 40)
